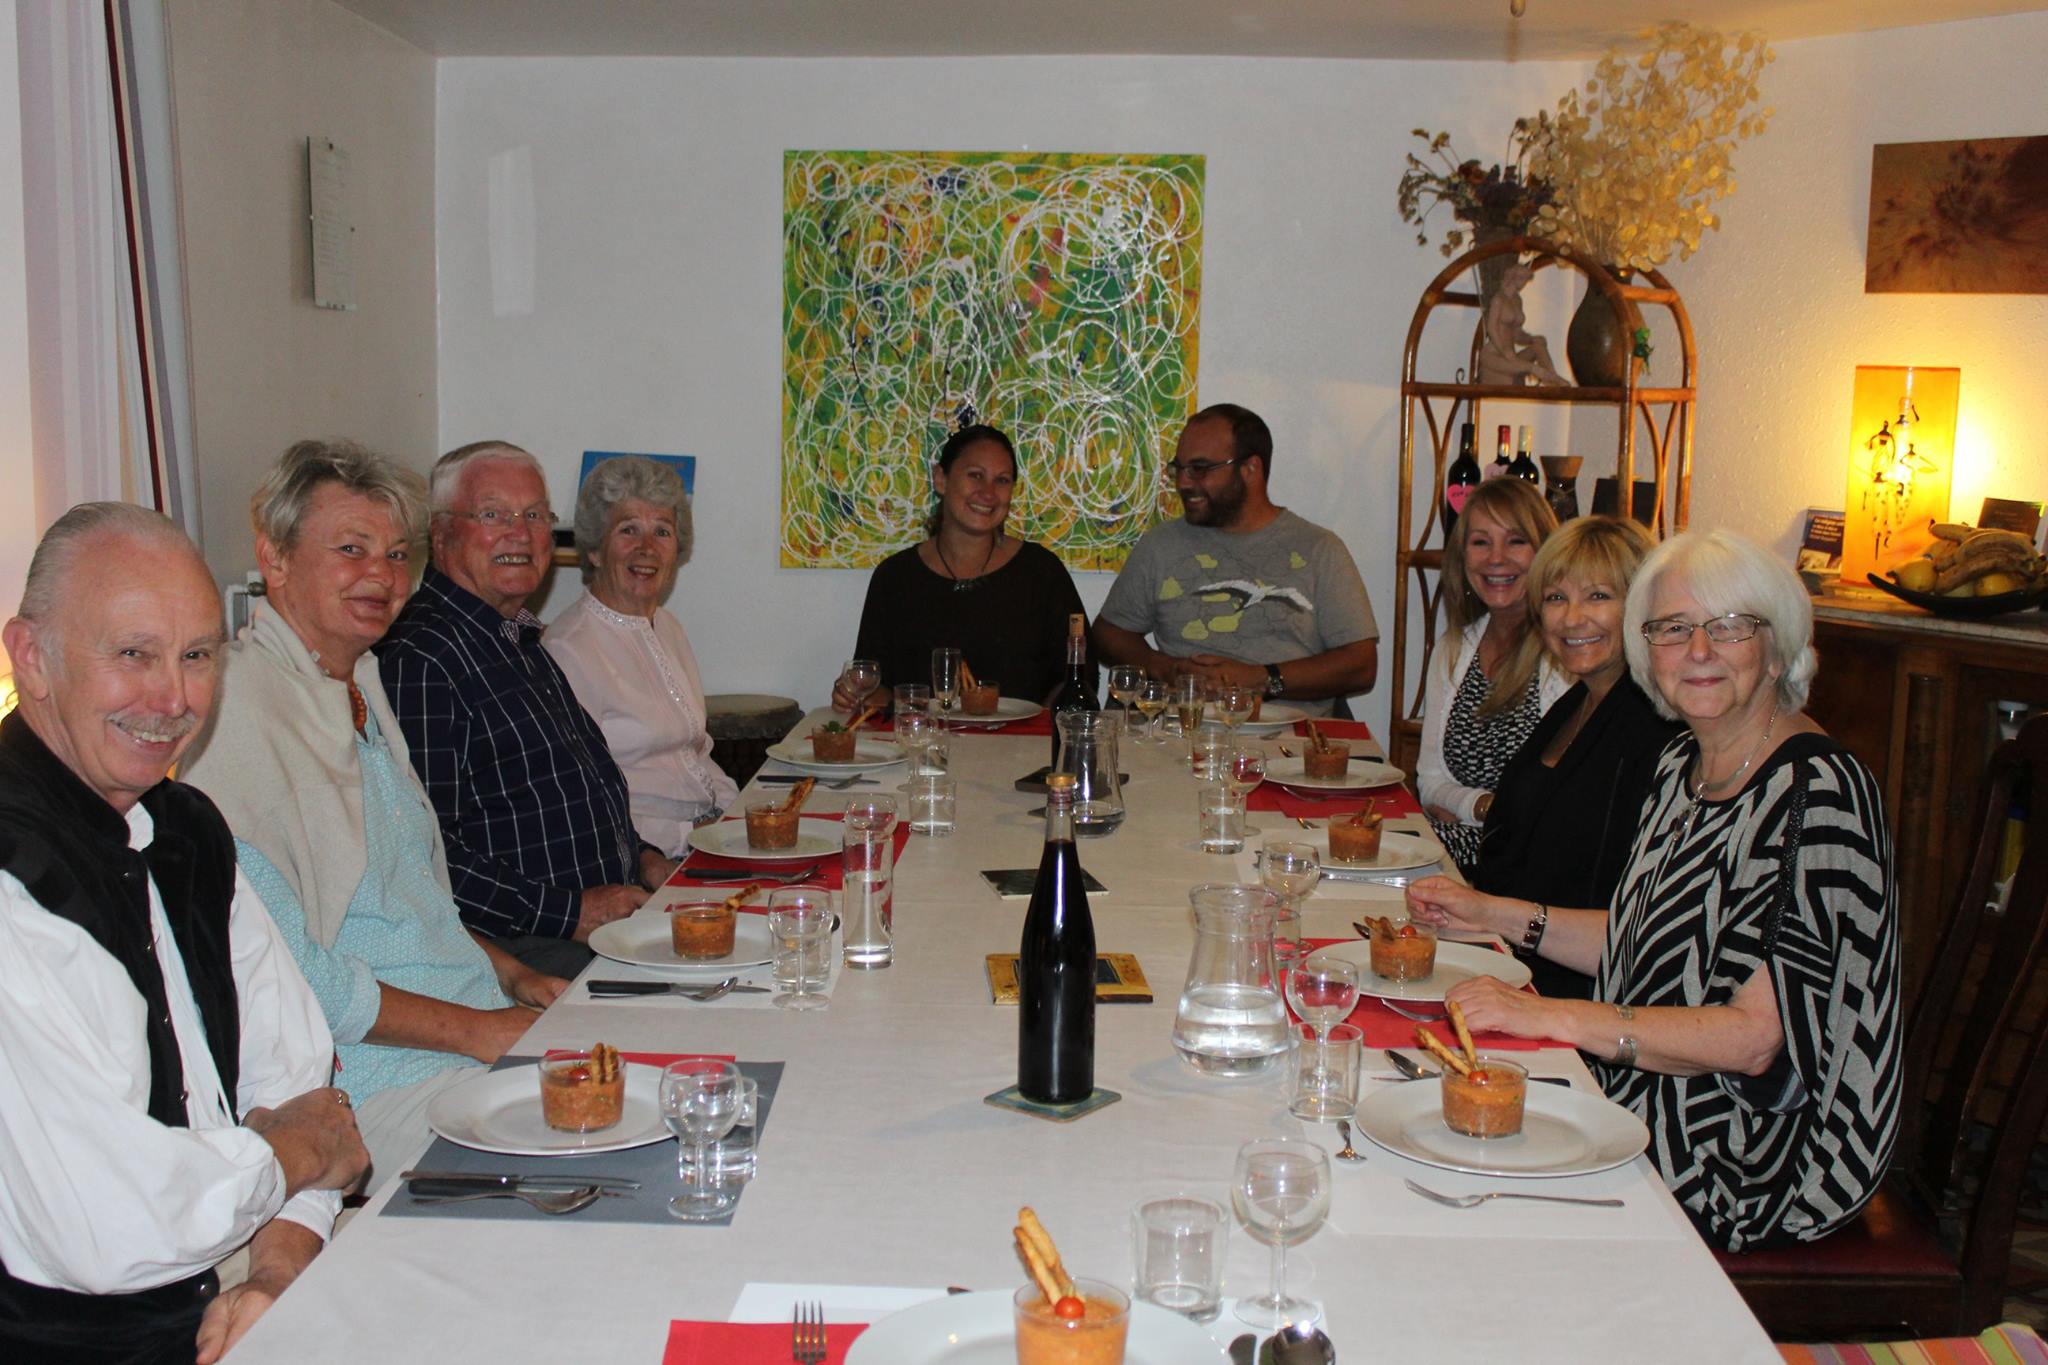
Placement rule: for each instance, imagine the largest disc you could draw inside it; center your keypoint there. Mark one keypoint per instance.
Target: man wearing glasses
(1240, 590)
(541, 845)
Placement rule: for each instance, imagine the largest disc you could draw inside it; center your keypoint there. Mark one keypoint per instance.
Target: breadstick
(1315, 738)
(1042, 1241)
(800, 793)
(1443, 1054)
(865, 712)
(1041, 1273)
(1457, 1013)
(743, 895)
(966, 676)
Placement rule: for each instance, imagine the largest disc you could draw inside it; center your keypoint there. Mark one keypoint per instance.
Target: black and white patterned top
(1477, 750)
(1794, 1153)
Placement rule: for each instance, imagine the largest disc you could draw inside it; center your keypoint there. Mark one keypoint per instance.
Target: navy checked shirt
(532, 807)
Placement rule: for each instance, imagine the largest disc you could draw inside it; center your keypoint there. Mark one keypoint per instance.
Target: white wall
(655, 324)
(17, 449)
(655, 242)
(252, 79)
(1777, 296)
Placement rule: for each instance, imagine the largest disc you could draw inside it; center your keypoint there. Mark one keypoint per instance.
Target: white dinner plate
(1565, 1131)
(1274, 717)
(643, 939)
(1455, 962)
(1007, 710)
(728, 839)
(499, 1111)
(868, 754)
(1362, 775)
(980, 1329)
(1397, 851)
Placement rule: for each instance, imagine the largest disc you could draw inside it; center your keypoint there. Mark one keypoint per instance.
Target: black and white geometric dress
(1794, 1153)
(1477, 750)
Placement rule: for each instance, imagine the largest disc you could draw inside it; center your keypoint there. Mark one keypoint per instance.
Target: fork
(807, 1334)
(1473, 1201)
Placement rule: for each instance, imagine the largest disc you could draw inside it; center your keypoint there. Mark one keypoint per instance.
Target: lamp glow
(1902, 432)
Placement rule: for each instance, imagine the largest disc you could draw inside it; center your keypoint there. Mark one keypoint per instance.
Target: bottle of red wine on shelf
(1460, 479)
(1056, 967)
(1524, 468)
(1076, 693)
(1501, 464)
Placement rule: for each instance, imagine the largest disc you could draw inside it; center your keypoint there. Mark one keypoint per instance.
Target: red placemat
(829, 874)
(1337, 729)
(1040, 724)
(748, 1343)
(1384, 1028)
(1391, 802)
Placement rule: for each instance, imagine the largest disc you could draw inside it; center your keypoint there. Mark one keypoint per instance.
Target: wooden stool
(742, 725)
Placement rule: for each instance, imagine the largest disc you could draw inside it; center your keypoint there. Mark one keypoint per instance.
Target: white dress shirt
(638, 679)
(95, 1195)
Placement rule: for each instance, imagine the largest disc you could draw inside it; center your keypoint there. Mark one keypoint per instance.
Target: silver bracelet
(1625, 1044)
(1533, 934)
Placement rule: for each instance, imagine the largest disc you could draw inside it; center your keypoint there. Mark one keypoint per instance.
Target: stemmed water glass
(859, 678)
(1123, 685)
(800, 927)
(701, 1100)
(1234, 703)
(1323, 991)
(1290, 871)
(1244, 770)
(1281, 1193)
(1151, 701)
(945, 678)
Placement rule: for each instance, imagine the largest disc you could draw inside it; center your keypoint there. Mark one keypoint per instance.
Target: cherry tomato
(1407, 931)
(1070, 1308)
(1481, 1076)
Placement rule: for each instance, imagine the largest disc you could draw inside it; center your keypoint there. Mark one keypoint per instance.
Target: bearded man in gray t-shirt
(1240, 590)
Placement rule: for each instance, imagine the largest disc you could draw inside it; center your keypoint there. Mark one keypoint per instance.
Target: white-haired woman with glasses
(627, 655)
(1746, 975)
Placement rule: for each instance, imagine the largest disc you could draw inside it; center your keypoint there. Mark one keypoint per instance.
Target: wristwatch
(1275, 684)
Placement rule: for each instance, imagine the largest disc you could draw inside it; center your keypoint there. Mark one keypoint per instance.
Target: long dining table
(884, 1175)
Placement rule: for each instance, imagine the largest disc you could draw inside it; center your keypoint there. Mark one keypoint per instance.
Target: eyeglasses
(1197, 469)
(497, 518)
(1731, 629)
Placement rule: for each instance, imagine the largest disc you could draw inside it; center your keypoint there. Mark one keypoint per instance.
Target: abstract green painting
(1054, 295)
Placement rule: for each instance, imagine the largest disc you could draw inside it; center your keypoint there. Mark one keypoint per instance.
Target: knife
(739, 874)
(473, 1180)
(602, 989)
(791, 779)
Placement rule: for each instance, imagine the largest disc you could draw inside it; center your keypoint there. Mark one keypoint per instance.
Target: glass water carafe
(1231, 1020)
(1088, 750)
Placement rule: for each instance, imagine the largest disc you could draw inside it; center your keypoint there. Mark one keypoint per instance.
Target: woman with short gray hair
(1746, 992)
(628, 657)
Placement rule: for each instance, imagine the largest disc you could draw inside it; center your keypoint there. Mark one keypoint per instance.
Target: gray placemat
(654, 1166)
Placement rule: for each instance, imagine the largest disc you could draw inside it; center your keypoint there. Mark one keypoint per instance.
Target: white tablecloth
(884, 1166)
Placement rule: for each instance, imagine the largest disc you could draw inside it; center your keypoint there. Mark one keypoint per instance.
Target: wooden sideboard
(1912, 695)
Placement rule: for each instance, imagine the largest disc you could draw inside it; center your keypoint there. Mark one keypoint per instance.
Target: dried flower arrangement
(1499, 201)
(1638, 157)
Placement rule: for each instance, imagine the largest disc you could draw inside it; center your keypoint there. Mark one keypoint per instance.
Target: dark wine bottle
(1076, 693)
(1524, 468)
(1056, 967)
(1501, 464)
(1460, 479)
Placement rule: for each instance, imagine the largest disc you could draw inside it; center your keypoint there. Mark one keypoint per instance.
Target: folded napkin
(829, 874)
(748, 1343)
(664, 1058)
(1384, 1028)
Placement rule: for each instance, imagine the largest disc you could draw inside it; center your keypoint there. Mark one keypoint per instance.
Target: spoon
(1297, 1344)
(1346, 1152)
(1409, 1067)
(547, 1201)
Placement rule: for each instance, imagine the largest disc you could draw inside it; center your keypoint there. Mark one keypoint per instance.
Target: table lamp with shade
(1902, 442)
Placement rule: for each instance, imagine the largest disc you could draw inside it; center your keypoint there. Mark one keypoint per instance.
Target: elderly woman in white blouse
(627, 656)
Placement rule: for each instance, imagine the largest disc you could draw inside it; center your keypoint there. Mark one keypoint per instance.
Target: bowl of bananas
(1972, 572)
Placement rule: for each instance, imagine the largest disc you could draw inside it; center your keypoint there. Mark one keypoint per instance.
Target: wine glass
(1290, 871)
(800, 927)
(1234, 703)
(860, 678)
(945, 678)
(1190, 700)
(1281, 1193)
(1151, 700)
(1323, 991)
(1123, 685)
(1244, 768)
(700, 1102)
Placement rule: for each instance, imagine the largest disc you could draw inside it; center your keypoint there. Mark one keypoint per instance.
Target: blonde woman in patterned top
(1746, 992)
(627, 656)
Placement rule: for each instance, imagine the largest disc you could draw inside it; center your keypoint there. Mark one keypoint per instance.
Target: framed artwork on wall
(1967, 217)
(1053, 295)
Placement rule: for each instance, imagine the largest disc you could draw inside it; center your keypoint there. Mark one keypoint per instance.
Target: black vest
(69, 848)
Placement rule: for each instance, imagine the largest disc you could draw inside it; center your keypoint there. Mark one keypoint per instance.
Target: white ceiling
(1460, 29)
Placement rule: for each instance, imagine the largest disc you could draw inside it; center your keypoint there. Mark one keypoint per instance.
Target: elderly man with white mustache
(535, 813)
(163, 1064)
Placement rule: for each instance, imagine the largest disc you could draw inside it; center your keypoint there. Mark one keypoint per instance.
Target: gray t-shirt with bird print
(1286, 591)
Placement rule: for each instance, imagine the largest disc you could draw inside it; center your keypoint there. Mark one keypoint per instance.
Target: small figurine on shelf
(1509, 353)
